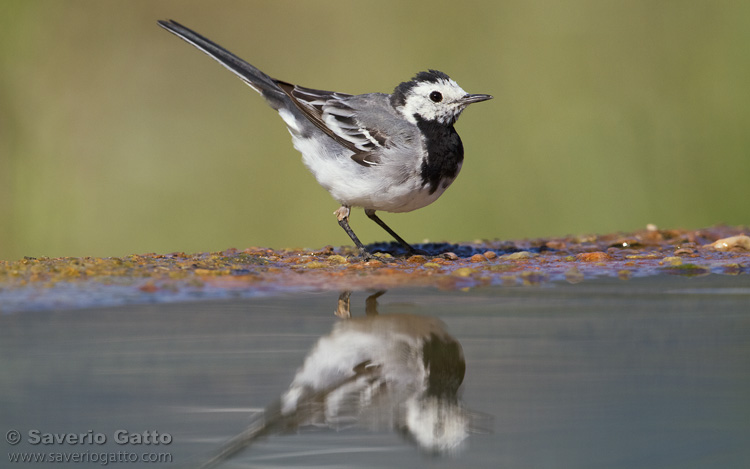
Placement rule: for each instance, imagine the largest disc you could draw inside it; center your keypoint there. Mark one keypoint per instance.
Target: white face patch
(440, 101)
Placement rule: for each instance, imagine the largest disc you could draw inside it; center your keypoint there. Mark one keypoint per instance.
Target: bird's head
(433, 96)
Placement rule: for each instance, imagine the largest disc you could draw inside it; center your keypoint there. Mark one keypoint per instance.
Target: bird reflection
(377, 371)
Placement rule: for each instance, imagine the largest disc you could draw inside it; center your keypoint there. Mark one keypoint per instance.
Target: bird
(395, 371)
(393, 152)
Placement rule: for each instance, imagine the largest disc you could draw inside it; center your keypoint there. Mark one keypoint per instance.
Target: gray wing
(363, 123)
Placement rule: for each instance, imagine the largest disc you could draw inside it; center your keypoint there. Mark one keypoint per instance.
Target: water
(648, 373)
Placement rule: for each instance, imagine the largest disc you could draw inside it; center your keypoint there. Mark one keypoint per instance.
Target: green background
(118, 138)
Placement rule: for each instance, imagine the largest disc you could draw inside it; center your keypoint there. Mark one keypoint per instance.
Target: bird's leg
(342, 214)
(371, 303)
(342, 309)
(371, 214)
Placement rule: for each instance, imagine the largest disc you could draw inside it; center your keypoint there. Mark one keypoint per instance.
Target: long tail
(257, 80)
(263, 425)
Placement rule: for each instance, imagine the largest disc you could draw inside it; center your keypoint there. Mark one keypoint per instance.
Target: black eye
(436, 97)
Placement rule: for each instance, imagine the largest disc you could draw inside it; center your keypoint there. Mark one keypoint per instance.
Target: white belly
(389, 187)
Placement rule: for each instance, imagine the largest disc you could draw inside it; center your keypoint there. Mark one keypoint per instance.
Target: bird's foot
(417, 252)
(365, 254)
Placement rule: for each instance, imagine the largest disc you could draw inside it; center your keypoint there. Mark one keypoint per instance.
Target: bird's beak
(475, 98)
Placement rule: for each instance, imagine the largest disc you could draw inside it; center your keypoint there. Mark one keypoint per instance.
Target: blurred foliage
(116, 137)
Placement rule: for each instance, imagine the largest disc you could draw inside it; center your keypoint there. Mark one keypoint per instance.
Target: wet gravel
(64, 283)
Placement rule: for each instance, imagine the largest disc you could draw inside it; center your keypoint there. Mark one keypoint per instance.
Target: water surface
(644, 373)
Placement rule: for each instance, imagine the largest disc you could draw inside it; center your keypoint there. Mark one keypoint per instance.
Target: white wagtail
(394, 371)
(395, 153)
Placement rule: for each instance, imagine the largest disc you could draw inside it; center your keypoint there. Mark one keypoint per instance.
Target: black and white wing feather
(333, 114)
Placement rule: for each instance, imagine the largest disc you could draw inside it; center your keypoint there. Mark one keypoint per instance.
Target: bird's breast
(444, 154)
(404, 180)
